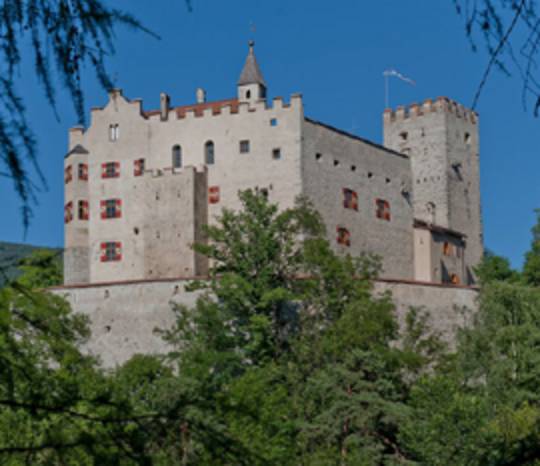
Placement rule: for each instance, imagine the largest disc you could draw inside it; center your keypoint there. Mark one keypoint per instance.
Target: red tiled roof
(216, 107)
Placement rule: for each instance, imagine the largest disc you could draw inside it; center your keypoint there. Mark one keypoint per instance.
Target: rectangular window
(114, 132)
(276, 154)
(111, 251)
(383, 209)
(83, 171)
(84, 213)
(343, 236)
(68, 212)
(138, 167)
(110, 170)
(244, 146)
(213, 194)
(350, 199)
(111, 208)
(273, 122)
(68, 174)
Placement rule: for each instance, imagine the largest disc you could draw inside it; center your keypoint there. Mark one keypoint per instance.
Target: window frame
(244, 146)
(176, 156)
(383, 209)
(209, 153)
(111, 251)
(83, 210)
(343, 236)
(107, 173)
(350, 199)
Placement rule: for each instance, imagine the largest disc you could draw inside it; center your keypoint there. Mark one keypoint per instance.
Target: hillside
(10, 255)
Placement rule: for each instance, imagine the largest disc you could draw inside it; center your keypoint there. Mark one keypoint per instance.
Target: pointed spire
(251, 74)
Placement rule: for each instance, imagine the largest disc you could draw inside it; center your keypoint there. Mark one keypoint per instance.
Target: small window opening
(110, 170)
(68, 212)
(111, 251)
(136, 230)
(404, 135)
(177, 156)
(350, 199)
(273, 122)
(276, 154)
(114, 132)
(248, 94)
(388, 180)
(213, 195)
(467, 139)
(336, 163)
(209, 153)
(343, 236)
(138, 167)
(83, 210)
(111, 208)
(244, 146)
(68, 174)
(370, 175)
(383, 209)
(83, 171)
(353, 168)
(318, 156)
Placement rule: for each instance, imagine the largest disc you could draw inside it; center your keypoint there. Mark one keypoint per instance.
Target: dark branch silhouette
(510, 31)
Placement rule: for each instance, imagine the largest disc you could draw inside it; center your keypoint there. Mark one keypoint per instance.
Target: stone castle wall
(124, 316)
(332, 161)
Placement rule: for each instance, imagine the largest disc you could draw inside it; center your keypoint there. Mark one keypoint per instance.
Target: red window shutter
(118, 251)
(68, 174)
(103, 257)
(213, 194)
(86, 211)
(116, 169)
(103, 209)
(354, 200)
(103, 170)
(118, 208)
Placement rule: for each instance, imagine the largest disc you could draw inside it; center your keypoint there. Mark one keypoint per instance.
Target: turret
(251, 85)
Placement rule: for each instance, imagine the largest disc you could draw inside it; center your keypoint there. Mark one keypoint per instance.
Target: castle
(140, 185)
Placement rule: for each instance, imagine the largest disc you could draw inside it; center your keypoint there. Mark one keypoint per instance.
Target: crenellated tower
(441, 139)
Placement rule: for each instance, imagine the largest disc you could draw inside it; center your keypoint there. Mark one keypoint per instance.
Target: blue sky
(334, 53)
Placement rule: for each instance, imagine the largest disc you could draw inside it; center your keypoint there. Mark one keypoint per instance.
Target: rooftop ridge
(439, 105)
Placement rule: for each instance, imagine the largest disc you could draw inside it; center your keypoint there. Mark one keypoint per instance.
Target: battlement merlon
(430, 106)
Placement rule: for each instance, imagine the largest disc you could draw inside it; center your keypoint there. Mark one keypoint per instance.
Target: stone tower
(441, 139)
(251, 85)
(76, 211)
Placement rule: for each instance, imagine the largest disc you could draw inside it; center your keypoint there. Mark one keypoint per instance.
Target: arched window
(209, 155)
(177, 156)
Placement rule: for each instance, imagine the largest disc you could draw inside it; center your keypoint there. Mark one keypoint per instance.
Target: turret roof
(251, 74)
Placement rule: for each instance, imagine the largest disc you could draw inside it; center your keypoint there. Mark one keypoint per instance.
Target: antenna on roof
(393, 73)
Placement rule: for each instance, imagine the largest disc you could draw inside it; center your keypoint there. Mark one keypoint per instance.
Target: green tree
(290, 347)
(495, 268)
(481, 408)
(531, 267)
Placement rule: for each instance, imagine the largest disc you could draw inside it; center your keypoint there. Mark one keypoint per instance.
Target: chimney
(164, 103)
(201, 95)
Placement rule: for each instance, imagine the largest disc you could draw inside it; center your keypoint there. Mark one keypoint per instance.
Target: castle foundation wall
(124, 315)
